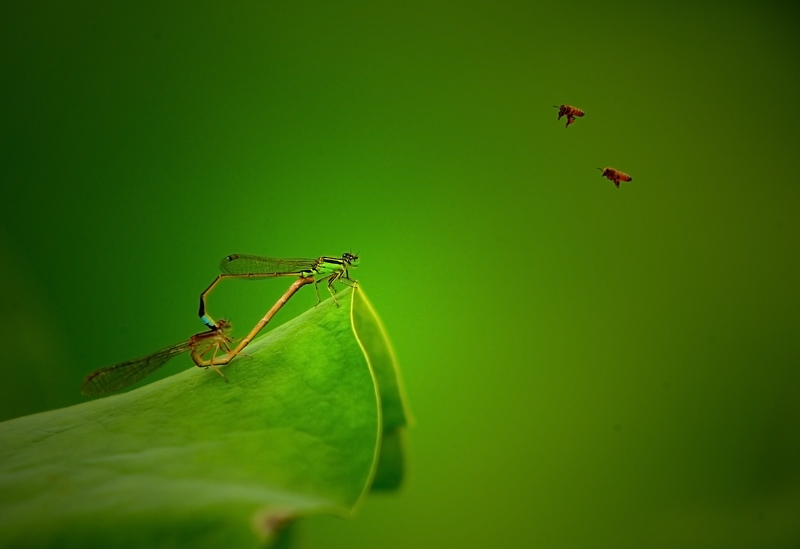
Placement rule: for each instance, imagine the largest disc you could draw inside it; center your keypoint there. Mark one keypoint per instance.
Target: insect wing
(255, 264)
(116, 377)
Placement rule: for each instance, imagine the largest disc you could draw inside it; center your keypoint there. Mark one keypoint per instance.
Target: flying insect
(615, 175)
(570, 112)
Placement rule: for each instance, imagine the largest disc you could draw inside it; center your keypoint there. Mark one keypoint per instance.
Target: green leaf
(375, 342)
(193, 461)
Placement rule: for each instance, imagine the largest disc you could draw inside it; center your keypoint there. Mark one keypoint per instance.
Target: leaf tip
(269, 522)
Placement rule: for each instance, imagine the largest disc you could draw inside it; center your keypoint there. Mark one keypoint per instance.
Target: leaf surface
(193, 461)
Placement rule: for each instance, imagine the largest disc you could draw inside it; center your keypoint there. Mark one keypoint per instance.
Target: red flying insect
(615, 175)
(570, 112)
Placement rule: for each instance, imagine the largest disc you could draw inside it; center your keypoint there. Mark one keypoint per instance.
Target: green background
(588, 366)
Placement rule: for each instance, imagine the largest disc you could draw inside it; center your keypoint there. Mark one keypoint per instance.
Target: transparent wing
(116, 377)
(255, 264)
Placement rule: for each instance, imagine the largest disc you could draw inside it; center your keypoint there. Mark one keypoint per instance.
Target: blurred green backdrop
(588, 366)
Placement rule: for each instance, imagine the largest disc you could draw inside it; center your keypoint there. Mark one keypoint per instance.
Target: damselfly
(330, 269)
(123, 374)
(119, 376)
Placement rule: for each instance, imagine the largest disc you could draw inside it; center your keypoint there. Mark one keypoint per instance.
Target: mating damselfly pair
(216, 340)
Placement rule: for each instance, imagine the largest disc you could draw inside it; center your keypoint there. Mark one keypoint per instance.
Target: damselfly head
(351, 259)
(223, 325)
